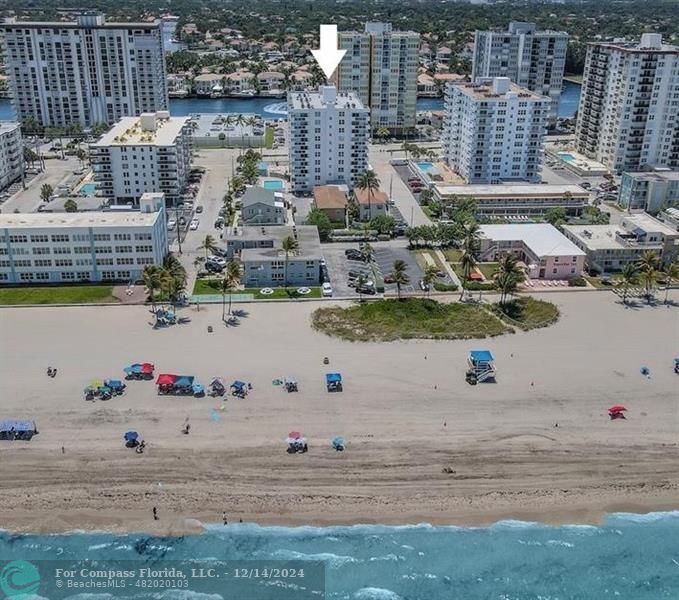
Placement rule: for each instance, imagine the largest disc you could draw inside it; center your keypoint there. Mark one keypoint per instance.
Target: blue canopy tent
(131, 439)
(198, 389)
(116, 385)
(339, 444)
(184, 383)
(333, 382)
(134, 369)
(16, 429)
(239, 388)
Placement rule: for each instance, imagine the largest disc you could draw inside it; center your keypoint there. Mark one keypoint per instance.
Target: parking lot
(385, 254)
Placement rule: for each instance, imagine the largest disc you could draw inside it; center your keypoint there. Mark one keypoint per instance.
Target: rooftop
(647, 223)
(307, 238)
(365, 196)
(149, 129)
(7, 126)
(327, 96)
(543, 239)
(45, 220)
(511, 190)
(667, 175)
(84, 21)
(649, 42)
(329, 196)
(257, 194)
(499, 88)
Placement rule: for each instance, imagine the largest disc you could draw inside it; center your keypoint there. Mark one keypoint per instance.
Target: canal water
(272, 108)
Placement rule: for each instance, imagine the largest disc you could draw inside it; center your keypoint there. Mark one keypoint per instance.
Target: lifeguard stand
(481, 366)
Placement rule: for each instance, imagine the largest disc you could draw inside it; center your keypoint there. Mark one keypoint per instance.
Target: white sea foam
(375, 593)
(99, 546)
(334, 560)
(643, 518)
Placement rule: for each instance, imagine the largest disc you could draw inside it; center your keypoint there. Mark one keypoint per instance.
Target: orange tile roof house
(371, 203)
(332, 201)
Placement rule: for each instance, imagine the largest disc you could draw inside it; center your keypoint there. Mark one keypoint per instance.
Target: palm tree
(648, 265)
(400, 275)
(431, 272)
(368, 180)
(70, 206)
(629, 276)
(508, 276)
(152, 277)
(232, 276)
(46, 192)
(209, 244)
(671, 275)
(289, 245)
(470, 250)
(382, 133)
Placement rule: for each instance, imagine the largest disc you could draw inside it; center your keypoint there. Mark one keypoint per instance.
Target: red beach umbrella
(617, 408)
(294, 435)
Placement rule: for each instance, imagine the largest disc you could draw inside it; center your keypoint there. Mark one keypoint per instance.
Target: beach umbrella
(338, 442)
(96, 384)
(645, 371)
(131, 436)
(617, 408)
(294, 435)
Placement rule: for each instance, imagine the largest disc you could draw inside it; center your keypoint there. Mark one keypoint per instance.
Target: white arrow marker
(328, 56)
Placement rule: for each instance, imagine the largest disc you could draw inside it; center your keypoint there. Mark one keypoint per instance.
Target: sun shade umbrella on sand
(618, 408)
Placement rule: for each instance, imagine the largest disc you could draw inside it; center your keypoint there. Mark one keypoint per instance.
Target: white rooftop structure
(543, 239)
(326, 96)
(153, 129)
(78, 219)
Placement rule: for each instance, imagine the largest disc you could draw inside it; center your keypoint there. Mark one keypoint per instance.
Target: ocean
(272, 108)
(630, 557)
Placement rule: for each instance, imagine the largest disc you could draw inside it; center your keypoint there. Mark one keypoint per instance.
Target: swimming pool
(88, 189)
(565, 156)
(273, 184)
(425, 166)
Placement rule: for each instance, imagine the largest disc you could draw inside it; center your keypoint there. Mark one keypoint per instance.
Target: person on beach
(224, 518)
(155, 513)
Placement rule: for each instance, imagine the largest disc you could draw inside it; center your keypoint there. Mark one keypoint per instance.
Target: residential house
(371, 203)
(332, 201)
(260, 206)
(271, 82)
(208, 84)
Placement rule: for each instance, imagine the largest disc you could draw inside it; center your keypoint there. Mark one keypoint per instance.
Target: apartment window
(42, 276)
(67, 276)
(39, 239)
(60, 237)
(18, 239)
(61, 250)
(26, 276)
(108, 275)
(42, 262)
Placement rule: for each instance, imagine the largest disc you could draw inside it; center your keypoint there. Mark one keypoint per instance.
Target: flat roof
(84, 219)
(307, 237)
(315, 101)
(649, 224)
(484, 91)
(543, 239)
(7, 126)
(500, 189)
(129, 128)
(654, 175)
(76, 25)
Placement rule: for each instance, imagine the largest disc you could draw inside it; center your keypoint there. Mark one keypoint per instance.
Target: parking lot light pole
(179, 234)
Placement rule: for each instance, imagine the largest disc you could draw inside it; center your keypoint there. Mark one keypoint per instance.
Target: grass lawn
(388, 320)
(419, 257)
(488, 269)
(427, 211)
(268, 138)
(75, 294)
(528, 313)
(598, 282)
(452, 255)
(283, 293)
(211, 287)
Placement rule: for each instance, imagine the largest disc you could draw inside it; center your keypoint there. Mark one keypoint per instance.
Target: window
(18, 239)
(39, 239)
(67, 276)
(42, 262)
(122, 237)
(26, 276)
(60, 237)
(41, 250)
(63, 262)
(108, 275)
(61, 250)
(123, 249)
(42, 276)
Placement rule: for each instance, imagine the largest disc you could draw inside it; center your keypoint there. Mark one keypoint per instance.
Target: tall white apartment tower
(532, 59)
(629, 107)
(380, 67)
(494, 131)
(328, 138)
(85, 72)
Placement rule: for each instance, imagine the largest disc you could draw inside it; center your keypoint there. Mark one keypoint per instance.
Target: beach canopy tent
(239, 389)
(166, 379)
(617, 408)
(115, 384)
(139, 370)
(338, 443)
(131, 436)
(676, 364)
(217, 387)
(17, 429)
(198, 389)
(184, 381)
(333, 382)
(296, 443)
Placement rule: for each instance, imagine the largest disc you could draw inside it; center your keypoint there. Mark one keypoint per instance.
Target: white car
(326, 288)
(172, 224)
(217, 260)
(194, 224)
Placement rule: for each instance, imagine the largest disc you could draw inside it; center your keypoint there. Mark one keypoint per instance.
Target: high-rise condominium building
(11, 153)
(380, 66)
(494, 131)
(328, 138)
(532, 59)
(629, 107)
(85, 72)
(150, 153)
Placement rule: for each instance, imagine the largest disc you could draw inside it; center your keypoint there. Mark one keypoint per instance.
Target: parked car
(220, 252)
(218, 260)
(424, 286)
(194, 224)
(326, 288)
(388, 278)
(199, 208)
(172, 224)
(366, 289)
(211, 267)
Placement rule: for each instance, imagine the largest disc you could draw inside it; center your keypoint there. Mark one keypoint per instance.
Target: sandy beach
(406, 413)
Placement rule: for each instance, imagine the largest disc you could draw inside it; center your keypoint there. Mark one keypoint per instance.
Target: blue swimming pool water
(273, 184)
(629, 557)
(425, 166)
(88, 189)
(566, 156)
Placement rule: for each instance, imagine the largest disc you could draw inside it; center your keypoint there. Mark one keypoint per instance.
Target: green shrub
(444, 287)
(577, 282)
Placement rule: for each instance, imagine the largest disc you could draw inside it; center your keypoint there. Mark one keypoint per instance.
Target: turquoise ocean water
(630, 557)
